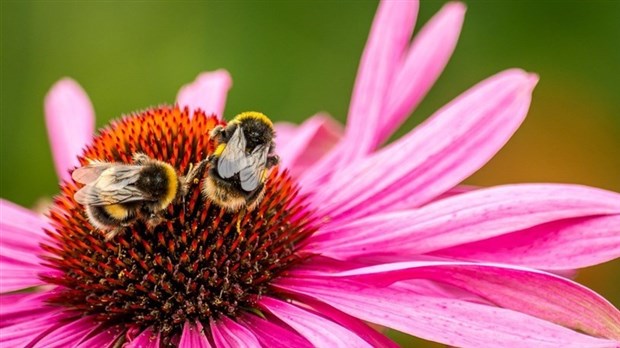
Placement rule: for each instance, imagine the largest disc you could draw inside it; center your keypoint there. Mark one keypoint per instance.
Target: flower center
(199, 262)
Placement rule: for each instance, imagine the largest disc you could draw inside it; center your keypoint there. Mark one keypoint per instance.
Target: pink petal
(21, 231)
(273, 335)
(449, 321)
(431, 288)
(318, 330)
(437, 155)
(25, 333)
(146, 339)
(286, 132)
(426, 59)
(23, 307)
(193, 336)
(70, 121)
(543, 295)
(386, 45)
(105, 338)
(460, 189)
(474, 216)
(412, 79)
(230, 334)
(319, 173)
(559, 245)
(14, 277)
(68, 334)
(208, 92)
(361, 329)
(300, 147)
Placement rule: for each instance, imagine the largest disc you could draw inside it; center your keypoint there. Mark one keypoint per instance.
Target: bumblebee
(117, 194)
(239, 166)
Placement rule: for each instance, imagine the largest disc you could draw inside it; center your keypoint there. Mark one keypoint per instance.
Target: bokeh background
(292, 59)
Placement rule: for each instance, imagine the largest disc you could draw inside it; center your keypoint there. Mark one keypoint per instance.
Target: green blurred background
(292, 59)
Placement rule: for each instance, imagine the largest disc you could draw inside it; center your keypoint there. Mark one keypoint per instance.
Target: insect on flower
(240, 164)
(332, 245)
(117, 194)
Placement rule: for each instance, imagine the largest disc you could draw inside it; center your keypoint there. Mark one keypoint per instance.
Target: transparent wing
(114, 185)
(251, 175)
(90, 172)
(233, 158)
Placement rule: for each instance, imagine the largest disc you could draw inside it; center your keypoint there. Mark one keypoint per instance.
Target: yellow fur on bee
(173, 185)
(116, 211)
(252, 114)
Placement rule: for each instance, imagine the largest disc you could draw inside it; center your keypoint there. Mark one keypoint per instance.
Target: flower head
(197, 264)
(354, 234)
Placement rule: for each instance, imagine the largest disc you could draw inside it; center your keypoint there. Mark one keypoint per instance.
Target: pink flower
(387, 236)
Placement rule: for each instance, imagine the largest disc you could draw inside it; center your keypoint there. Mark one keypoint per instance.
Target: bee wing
(233, 158)
(251, 175)
(114, 185)
(91, 172)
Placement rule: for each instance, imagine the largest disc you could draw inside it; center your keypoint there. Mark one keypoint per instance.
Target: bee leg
(112, 233)
(239, 219)
(216, 131)
(272, 160)
(192, 177)
(255, 197)
(154, 220)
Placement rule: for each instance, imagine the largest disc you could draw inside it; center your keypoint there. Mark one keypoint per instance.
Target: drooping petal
(68, 334)
(387, 42)
(474, 216)
(230, 334)
(436, 156)
(21, 231)
(270, 334)
(207, 92)
(146, 339)
(558, 246)
(26, 333)
(540, 294)
(316, 329)
(361, 329)
(70, 121)
(193, 336)
(106, 337)
(429, 53)
(449, 321)
(299, 147)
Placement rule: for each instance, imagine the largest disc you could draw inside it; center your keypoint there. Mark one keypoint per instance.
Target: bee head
(257, 128)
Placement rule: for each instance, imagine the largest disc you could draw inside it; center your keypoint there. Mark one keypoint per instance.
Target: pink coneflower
(353, 235)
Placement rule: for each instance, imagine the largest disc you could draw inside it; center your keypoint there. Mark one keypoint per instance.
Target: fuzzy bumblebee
(117, 194)
(240, 164)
